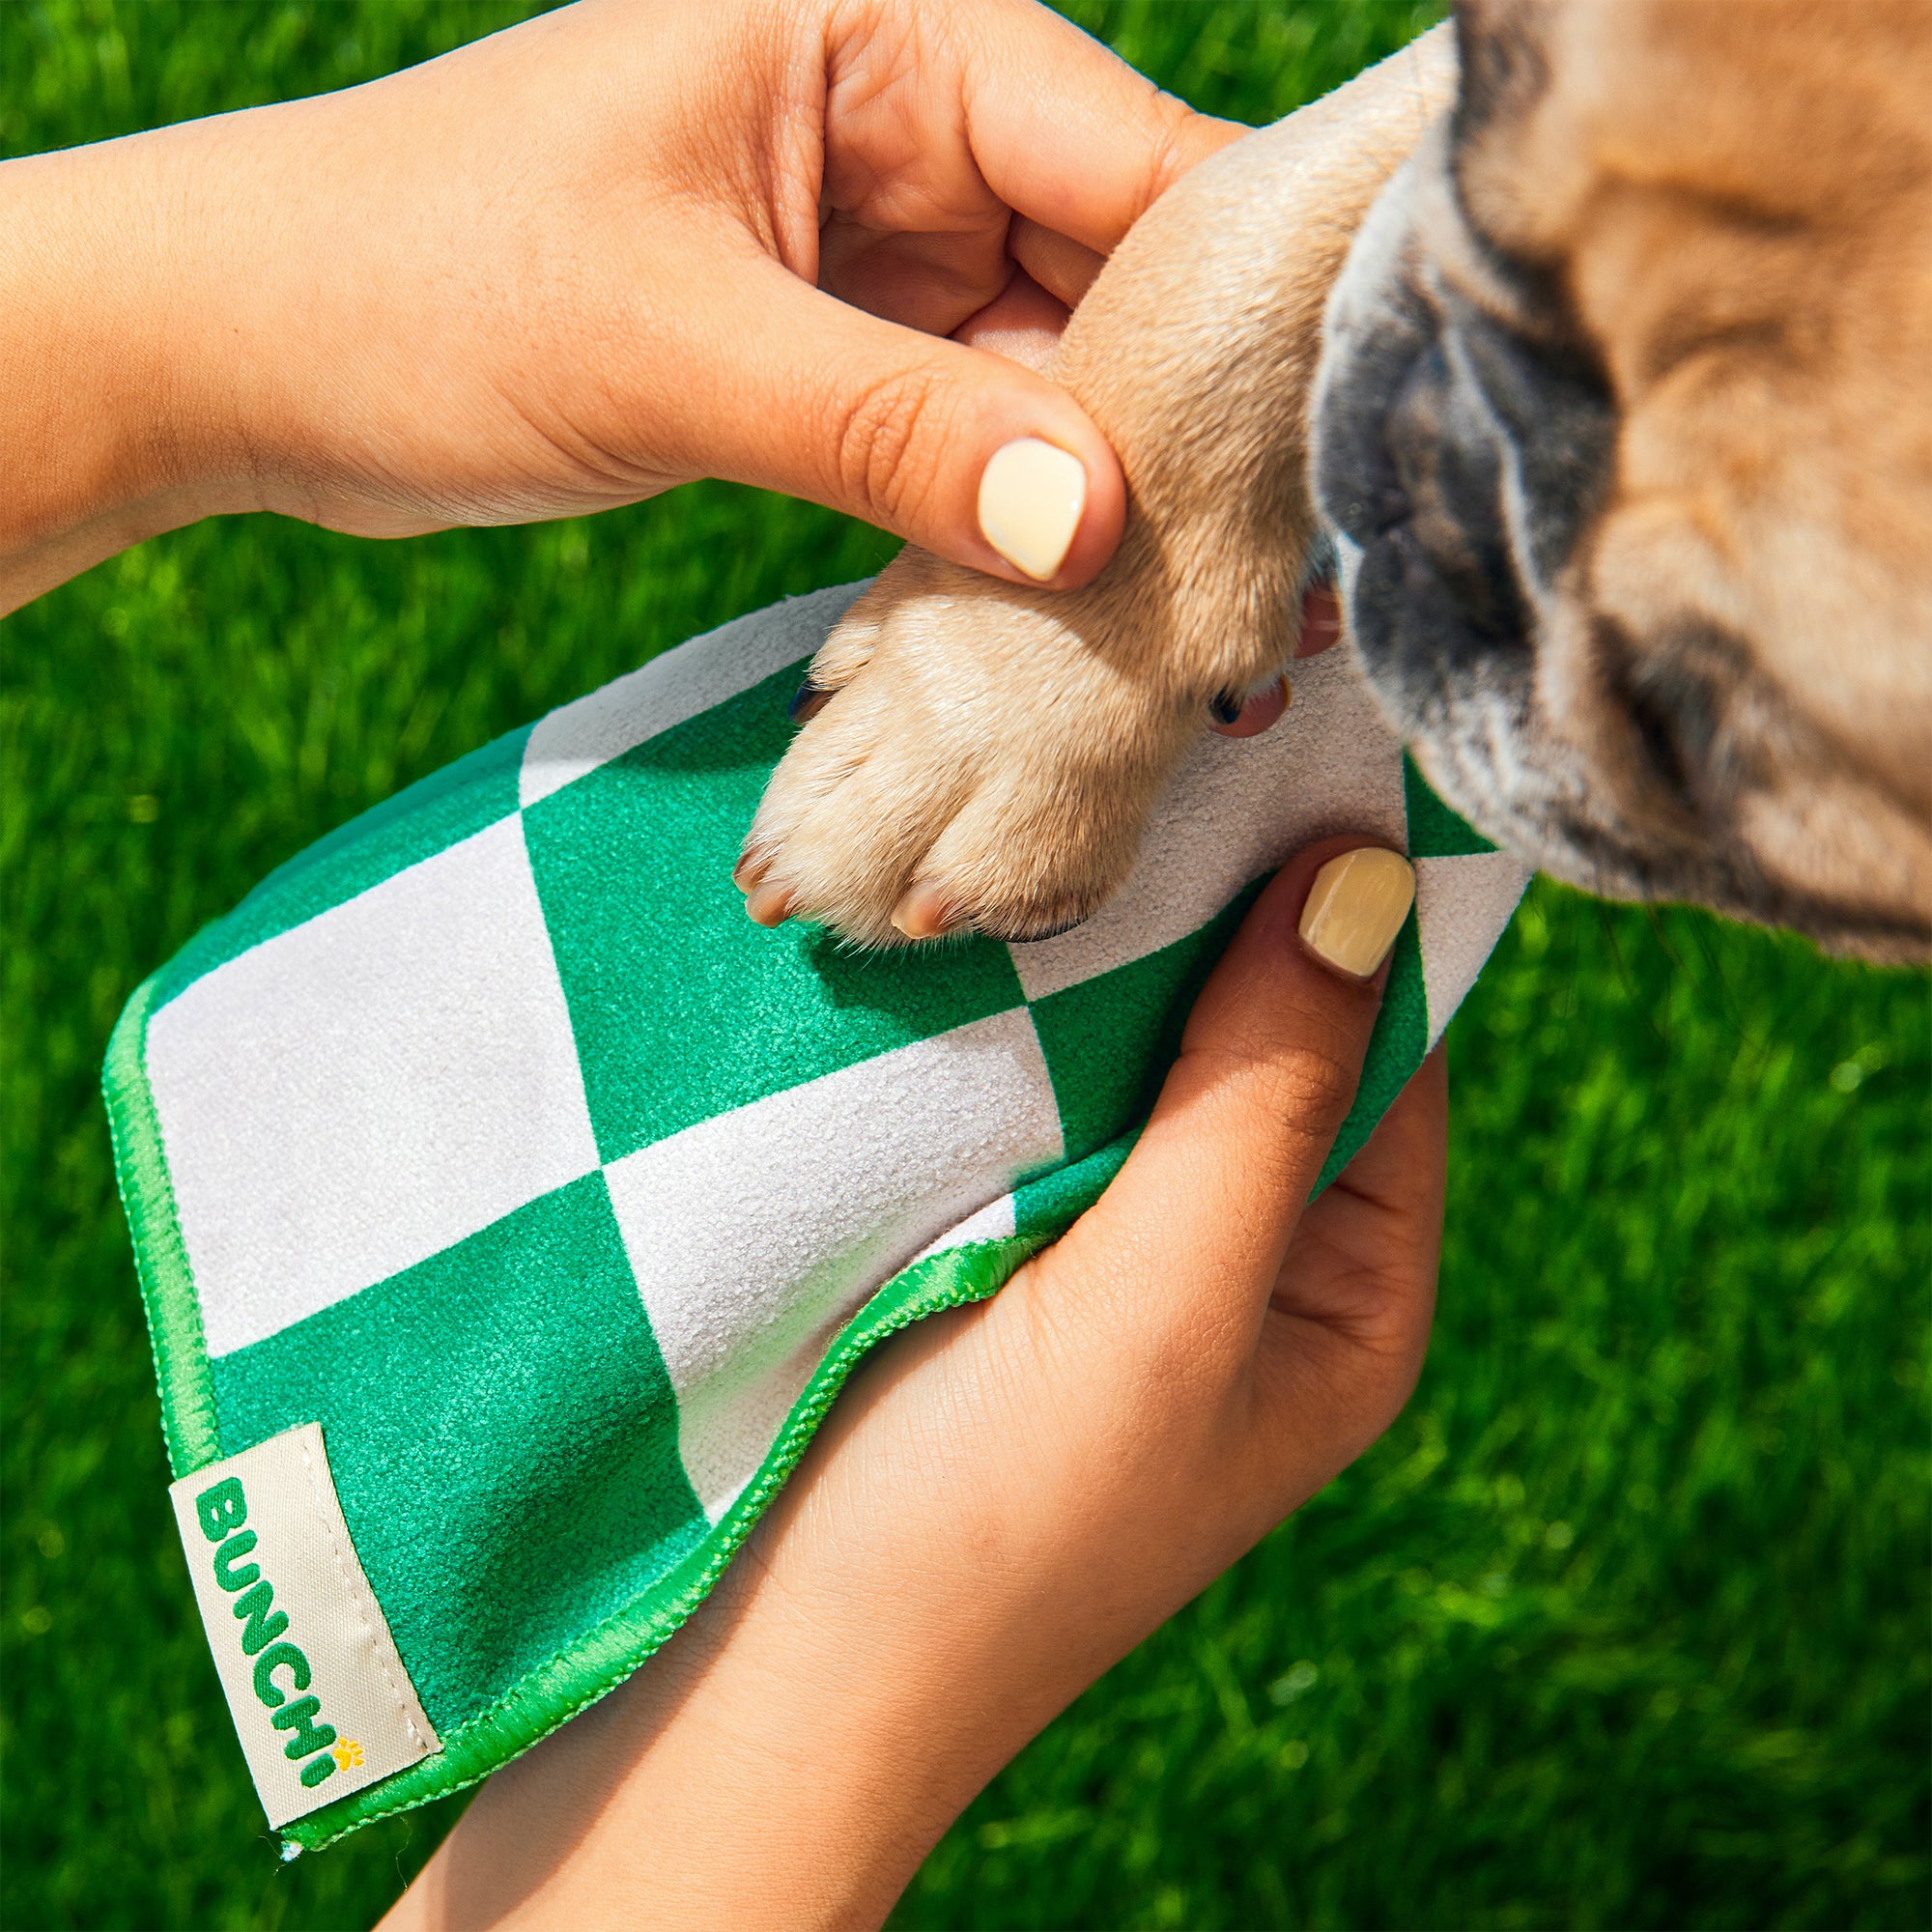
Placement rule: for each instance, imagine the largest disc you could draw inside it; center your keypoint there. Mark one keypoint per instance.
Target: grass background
(1624, 1624)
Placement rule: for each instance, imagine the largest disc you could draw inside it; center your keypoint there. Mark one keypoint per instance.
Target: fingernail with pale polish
(1030, 496)
(1356, 907)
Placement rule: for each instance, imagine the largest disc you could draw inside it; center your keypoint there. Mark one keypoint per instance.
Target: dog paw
(975, 756)
(978, 755)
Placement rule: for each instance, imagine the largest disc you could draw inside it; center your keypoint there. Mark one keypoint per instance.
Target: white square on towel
(357, 1093)
(1462, 904)
(997, 1221)
(756, 1235)
(592, 731)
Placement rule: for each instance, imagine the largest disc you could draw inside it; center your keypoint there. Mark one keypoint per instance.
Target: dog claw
(806, 703)
(922, 913)
(768, 905)
(1256, 713)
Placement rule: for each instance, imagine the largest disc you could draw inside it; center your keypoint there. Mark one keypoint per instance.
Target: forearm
(263, 310)
(717, 1788)
(100, 443)
(921, 1600)
(724, 1786)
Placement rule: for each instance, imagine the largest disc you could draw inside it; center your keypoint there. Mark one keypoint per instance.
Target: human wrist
(107, 440)
(749, 1777)
(822, 1738)
(879, 1657)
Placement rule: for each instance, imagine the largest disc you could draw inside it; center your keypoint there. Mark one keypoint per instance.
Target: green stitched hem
(160, 1257)
(601, 1660)
(603, 1657)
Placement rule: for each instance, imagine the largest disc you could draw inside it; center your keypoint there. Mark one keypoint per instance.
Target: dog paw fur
(980, 756)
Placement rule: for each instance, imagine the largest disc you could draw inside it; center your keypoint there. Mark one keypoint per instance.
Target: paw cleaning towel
(509, 1208)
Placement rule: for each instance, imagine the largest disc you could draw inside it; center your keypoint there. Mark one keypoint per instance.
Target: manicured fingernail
(1224, 707)
(1030, 496)
(1356, 907)
(808, 701)
(769, 905)
(922, 914)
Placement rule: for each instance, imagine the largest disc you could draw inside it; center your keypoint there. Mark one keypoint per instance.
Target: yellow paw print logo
(348, 1753)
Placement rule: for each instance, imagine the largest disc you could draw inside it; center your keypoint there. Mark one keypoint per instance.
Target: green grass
(1624, 1624)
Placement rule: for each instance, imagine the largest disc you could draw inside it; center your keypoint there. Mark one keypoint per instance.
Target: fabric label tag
(318, 1696)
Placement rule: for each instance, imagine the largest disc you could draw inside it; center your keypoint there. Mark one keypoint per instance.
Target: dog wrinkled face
(1625, 426)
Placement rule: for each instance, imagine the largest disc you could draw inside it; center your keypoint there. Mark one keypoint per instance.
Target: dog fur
(1626, 422)
(1625, 428)
(1001, 745)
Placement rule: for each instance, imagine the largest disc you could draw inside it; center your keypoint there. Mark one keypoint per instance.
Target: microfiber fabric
(491, 1136)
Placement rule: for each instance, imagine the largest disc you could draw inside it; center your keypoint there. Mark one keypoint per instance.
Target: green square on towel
(428, 1384)
(648, 973)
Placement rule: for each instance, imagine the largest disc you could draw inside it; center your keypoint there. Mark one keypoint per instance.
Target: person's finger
(1362, 1267)
(1347, 1323)
(1211, 1195)
(1063, 267)
(1023, 323)
(966, 453)
(1394, 1182)
(1066, 133)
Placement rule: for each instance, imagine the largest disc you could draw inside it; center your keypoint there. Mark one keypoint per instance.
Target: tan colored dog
(1624, 429)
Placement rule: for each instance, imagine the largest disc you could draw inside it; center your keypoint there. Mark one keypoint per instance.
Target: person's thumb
(1268, 1071)
(963, 451)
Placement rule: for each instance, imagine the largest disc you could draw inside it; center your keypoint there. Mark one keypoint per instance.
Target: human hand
(624, 244)
(1012, 1495)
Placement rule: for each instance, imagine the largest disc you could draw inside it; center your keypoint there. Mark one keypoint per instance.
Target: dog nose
(1447, 474)
(1417, 476)
(1551, 411)
(1462, 460)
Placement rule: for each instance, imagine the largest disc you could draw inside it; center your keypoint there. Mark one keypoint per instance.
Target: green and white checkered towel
(490, 1136)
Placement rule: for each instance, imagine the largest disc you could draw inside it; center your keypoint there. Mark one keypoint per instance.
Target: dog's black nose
(1461, 461)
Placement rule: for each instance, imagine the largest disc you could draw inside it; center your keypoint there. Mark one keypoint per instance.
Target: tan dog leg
(991, 752)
